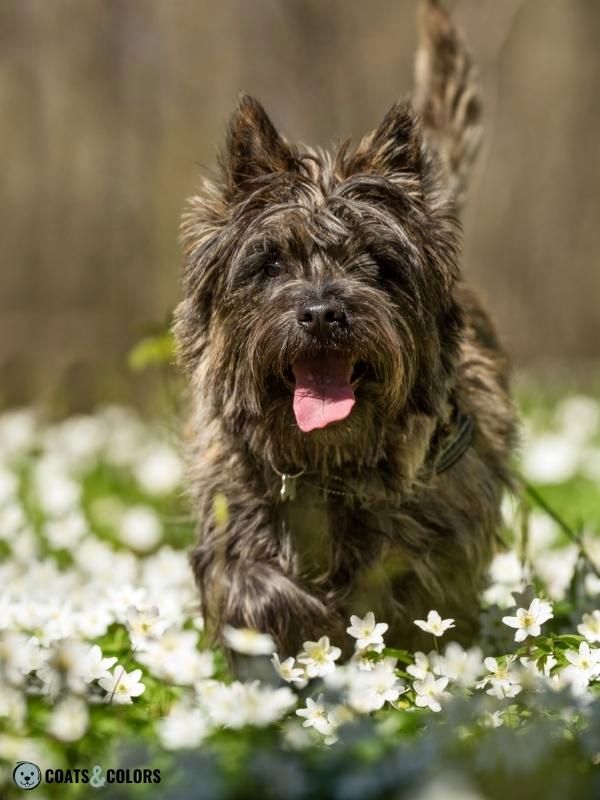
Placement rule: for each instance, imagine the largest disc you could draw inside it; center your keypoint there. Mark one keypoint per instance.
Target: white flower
(122, 598)
(159, 470)
(140, 528)
(33, 657)
(542, 533)
(315, 716)
(295, 736)
(492, 719)
(166, 568)
(585, 663)
(67, 531)
(13, 706)
(503, 682)
(175, 657)
(69, 720)
(319, 657)
(97, 666)
(111, 569)
(143, 625)
(579, 417)
(592, 584)
(421, 667)
(371, 689)
(67, 662)
(126, 436)
(239, 704)
(590, 626)
(288, 672)
(461, 666)
(93, 621)
(367, 631)
(19, 655)
(206, 692)
(58, 623)
(362, 658)
(17, 432)
(121, 686)
(248, 641)
(183, 727)
(550, 458)
(77, 440)
(337, 716)
(528, 622)
(434, 624)
(533, 673)
(555, 568)
(264, 705)
(430, 692)
(342, 677)
(506, 574)
(57, 493)
(572, 679)
(13, 523)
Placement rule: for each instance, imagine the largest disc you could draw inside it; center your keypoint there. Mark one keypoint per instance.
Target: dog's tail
(446, 97)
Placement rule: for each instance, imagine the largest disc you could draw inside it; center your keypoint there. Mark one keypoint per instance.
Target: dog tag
(288, 487)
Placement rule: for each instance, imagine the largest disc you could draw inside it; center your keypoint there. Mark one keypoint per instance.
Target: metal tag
(288, 487)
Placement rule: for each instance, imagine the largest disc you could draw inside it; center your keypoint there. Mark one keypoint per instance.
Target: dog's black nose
(320, 318)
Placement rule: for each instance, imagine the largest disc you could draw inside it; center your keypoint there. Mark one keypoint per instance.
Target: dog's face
(319, 289)
(27, 775)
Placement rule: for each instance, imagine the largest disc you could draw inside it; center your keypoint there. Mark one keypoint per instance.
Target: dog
(351, 428)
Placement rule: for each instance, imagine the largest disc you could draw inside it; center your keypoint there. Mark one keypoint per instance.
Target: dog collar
(449, 453)
(457, 444)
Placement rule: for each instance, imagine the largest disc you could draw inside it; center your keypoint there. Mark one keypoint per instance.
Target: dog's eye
(273, 267)
(386, 265)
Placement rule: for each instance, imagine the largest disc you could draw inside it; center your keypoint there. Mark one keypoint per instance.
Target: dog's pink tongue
(323, 393)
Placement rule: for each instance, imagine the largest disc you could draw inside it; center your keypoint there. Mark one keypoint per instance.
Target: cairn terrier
(352, 427)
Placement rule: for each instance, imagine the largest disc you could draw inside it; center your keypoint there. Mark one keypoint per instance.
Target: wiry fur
(373, 525)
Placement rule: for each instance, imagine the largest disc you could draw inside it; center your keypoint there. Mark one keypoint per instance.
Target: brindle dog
(350, 398)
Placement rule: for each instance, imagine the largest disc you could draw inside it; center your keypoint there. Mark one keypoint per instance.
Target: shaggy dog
(351, 428)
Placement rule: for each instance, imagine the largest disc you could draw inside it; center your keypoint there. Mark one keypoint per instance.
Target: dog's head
(318, 288)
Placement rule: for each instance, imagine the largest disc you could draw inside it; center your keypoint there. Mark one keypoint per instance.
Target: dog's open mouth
(324, 389)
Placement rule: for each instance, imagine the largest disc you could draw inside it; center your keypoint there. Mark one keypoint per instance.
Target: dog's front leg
(245, 582)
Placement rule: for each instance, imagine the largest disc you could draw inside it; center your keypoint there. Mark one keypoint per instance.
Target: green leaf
(152, 351)
(402, 655)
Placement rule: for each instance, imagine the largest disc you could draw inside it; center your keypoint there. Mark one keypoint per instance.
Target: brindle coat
(374, 525)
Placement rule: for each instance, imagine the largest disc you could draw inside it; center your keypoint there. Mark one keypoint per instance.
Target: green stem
(540, 501)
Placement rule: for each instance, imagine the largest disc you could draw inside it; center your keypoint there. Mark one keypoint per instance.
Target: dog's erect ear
(254, 148)
(395, 146)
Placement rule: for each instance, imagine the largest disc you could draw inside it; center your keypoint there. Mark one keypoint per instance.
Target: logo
(27, 775)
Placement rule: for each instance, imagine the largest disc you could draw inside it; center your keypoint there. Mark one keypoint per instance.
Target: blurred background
(111, 108)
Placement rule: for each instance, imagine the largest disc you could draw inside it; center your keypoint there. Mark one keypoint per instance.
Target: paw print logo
(27, 775)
